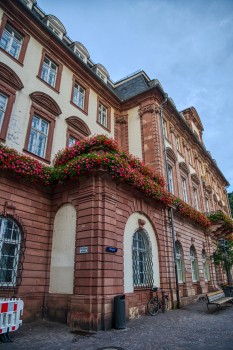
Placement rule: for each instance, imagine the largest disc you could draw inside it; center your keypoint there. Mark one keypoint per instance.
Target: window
(100, 75)
(38, 136)
(11, 41)
(178, 144)
(200, 167)
(165, 128)
(79, 95)
(142, 261)
(170, 179)
(194, 266)
(10, 238)
(205, 266)
(189, 155)
(49, 72)
(79, 54)
(102, 115)
(54, 30)
(3, 104)
(180, 263)
(71, 141)
(207, 205)
(184, 190)
(195, 198)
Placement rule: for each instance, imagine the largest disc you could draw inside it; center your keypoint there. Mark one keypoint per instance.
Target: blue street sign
(110, 249)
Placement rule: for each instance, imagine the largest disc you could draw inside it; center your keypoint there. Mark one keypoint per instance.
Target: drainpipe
(171, 211)
(228, 203)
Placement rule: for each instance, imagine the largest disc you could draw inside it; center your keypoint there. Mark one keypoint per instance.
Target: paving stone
(190, 328)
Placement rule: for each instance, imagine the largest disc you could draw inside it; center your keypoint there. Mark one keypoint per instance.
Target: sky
(186, 45)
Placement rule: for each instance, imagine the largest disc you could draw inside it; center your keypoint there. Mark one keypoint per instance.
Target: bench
(218, 298)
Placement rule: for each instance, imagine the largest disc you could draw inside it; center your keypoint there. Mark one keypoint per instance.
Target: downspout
(171, 210)
(229, 208)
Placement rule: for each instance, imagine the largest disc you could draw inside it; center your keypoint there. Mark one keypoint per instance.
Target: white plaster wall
(168, 144)
(131, 226)
(180, 158)
(63, 251)
(134, 127)
(192, 170)
(20, 113)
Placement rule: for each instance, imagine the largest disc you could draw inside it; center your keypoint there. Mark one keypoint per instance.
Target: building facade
(54, 238)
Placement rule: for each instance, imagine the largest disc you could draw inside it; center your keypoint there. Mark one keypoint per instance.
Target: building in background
(54, 239)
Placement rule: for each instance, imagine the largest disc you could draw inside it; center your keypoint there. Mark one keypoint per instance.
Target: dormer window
(80, 55)
(101, 71)
(100, 75)
(30, 3)
(80, 50)
(55, 25)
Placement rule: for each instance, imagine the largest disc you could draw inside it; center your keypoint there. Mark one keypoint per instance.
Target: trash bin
(119, 312)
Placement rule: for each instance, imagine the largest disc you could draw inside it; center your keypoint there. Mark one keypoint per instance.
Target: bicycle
(153, 305)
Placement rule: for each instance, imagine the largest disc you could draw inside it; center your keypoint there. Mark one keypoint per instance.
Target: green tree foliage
(230, 197)
(218, 257)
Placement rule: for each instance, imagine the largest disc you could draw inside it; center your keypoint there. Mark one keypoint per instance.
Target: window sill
(80, 109)
(33, 155)
(14, 59)
(180, 153)
(45, 82)
(103, 126)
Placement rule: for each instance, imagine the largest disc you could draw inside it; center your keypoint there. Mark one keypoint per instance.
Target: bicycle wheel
(164, 305)
(153, 307)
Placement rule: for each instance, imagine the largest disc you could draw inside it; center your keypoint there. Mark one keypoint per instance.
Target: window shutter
(197, 270)
(183, 270)
(208, 270)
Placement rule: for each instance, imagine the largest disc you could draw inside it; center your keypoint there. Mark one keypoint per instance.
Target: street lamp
(224, 244)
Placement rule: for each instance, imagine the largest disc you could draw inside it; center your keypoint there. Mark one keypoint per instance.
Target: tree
(218, 257)
(230, 197)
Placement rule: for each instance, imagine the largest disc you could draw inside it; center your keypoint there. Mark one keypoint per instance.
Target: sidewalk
(190, 328)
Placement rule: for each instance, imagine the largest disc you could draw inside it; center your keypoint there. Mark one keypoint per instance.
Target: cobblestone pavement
(190, 328)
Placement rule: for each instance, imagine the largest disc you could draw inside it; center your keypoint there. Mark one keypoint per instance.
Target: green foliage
(218, 257)
(230, 197)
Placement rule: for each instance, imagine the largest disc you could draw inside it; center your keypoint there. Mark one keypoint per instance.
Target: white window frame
(12, 40)
(207, 205)
(77, 94)
(3, 110)
(195, 198)
(170, 178)
(103, 115)
(178, 144)
(100, 75)
(80, 55)
(70, 144)
(38, 133)
(204, 266)
(179, 264)
(193, 265)
(15, 229)
(49, 70)
(184, 190)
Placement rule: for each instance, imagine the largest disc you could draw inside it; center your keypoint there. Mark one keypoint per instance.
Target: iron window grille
(12, 248)
(142, 260)
(11, 41)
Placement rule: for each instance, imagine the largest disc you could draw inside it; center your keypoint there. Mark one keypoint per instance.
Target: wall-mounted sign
(110, 249)
(83, 250)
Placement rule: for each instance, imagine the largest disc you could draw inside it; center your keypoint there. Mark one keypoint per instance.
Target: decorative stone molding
(192, 240)
(150, 108)
(47, 102)
(185, 144)
(208, 189)
(178, 234)
(79, 125)
(215, 197)
(171, 157)
(184, 169)
(172, 129)
(9, 208)
(195, 179)
(220, 203)
(121, 119)
(141, 223)
(10, 77)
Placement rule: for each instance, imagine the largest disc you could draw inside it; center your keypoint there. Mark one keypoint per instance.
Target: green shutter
(183, 270)
(197, 270)
(207, 270)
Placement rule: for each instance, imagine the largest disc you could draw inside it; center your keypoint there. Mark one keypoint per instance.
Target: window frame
(103, 102)
(185, 194)
(165, 128)
(178, 144)
(193, 263)
(195, 198)
(52, 58)
(76, 129)
(81, 83)
(207, 204)
(189, 156)
(38, 132)
(170, 177)
(26, 38)
(51, 120)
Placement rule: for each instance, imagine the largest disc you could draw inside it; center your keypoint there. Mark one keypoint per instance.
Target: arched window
(10, 239)
(142, 260)
(194, 265)
(180, 264)
(205, 266)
